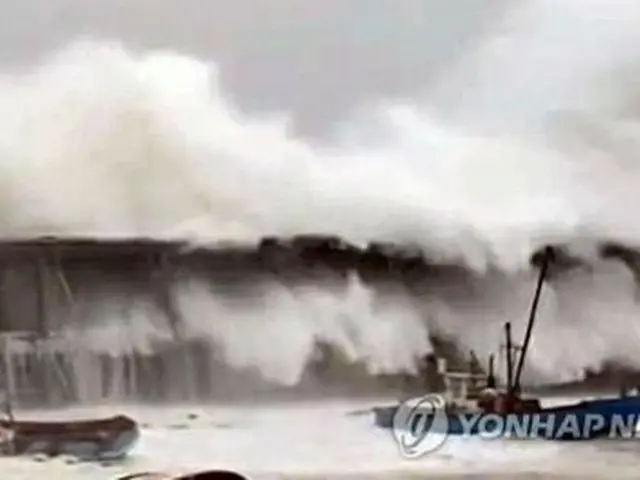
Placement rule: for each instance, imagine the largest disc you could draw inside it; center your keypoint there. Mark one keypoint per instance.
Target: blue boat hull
(580, 421)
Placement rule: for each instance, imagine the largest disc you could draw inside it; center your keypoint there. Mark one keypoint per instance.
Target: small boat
(103, 439)
(201, 475)
(506, 413)
(86, 440)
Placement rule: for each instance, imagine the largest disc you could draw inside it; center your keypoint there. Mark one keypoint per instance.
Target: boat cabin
(479, 391)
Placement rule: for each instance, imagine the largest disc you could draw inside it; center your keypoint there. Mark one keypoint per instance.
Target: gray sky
(317, 59)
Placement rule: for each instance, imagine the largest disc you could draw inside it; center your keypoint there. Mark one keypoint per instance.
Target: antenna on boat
(546, 259)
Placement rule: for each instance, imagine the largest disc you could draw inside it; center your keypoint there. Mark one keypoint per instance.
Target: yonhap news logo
(422, 425)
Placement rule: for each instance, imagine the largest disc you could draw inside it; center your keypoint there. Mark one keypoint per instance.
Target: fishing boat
(102, 439)
(500, 413)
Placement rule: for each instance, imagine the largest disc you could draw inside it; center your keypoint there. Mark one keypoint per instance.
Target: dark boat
(201, 475)
(506, 413)
(102, 439)
(86, 440)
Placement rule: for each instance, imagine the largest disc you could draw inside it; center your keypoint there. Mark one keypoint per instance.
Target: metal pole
(548, 254)
(491, 378)
(509, 359)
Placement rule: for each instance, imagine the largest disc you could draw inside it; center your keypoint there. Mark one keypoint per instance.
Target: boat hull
(201, 475)
(91, 440)
(611, 418)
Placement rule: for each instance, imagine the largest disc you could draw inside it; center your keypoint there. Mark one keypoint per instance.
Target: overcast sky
(317, 59)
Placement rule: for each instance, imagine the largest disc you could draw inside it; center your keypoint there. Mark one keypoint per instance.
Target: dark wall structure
(38, 275)
(41, 278)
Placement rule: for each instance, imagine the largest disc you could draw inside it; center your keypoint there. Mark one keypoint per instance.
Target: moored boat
(86, 440)
(506, 413)
(583, 420)
(200, 475)
(100, 439)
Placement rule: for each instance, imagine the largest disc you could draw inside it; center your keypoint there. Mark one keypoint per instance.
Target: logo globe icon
(420, 425)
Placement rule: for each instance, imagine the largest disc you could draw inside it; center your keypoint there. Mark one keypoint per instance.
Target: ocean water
(323, 440)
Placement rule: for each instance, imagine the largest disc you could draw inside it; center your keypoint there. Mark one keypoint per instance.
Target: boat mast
(546, 259)
(491, 378)
(509, 358)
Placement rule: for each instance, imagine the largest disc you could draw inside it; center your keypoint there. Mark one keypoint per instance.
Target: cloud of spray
(539, 144)
(151, 147)
(292, 322)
